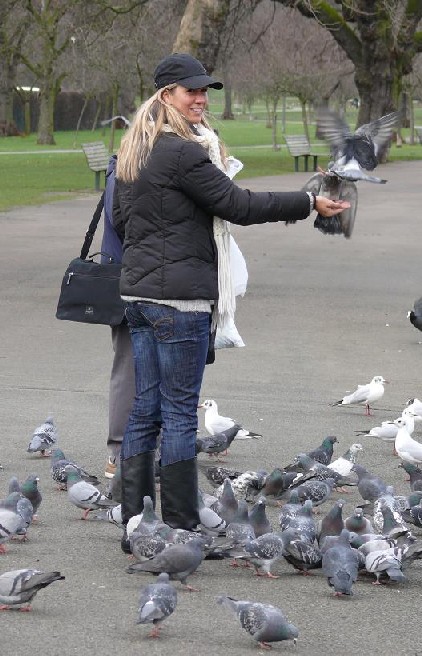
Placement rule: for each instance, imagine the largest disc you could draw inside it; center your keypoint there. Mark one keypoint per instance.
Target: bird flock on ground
(377, 540)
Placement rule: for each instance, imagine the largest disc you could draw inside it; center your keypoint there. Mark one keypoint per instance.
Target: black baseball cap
(183, 69)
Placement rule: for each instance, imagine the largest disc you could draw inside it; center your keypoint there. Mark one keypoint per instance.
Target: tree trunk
(304, 118)
(227, 114)
(46, 119)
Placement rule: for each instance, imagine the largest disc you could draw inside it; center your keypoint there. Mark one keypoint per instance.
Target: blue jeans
(170, 350)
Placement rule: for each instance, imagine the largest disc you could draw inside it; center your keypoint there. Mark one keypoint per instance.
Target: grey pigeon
(239, 531)
(216, 475)
(313, 469)
(18, 503)
(218, 442)
(340, 565)
(332, 523)
(14, 485)
(300, 552)
(112, 515)
(157, 601)
(414, 515)
(386, 565)
(304, 522)
(30, 490)
(227, 503)
(19, 587)
(145, 546)
(415, 475)
(264, 622)
(324, 452)
(343, 465)
(262, 553)
(289, 510)
(258, 518)
(370, 487)
(147, 521)
(316, 491)
(358, 523)
(83, 494)
(209, 519)
(11, 523)
(58, 470)
(279, 480)
(248, 485)
(415, 315)
(43, 438)
(178, 560)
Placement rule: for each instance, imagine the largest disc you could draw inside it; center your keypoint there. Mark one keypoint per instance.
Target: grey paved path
(321, 314)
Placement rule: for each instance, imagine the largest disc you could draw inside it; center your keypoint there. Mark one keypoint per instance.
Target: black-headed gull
(387, 432)
(215, 423)
(415, 406)
(365, 394)
(406, 447)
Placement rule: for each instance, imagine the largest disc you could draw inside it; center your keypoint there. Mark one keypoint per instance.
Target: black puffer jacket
(166, 220)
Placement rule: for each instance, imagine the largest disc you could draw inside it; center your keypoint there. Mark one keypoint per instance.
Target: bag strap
(89, 235)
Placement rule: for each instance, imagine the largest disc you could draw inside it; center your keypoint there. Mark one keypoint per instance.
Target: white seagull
(366, 394)
(406, 447)
(215, 423)
(388, 430)
(415, 406)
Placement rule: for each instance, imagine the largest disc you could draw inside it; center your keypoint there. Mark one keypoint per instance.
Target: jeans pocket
(160, 318)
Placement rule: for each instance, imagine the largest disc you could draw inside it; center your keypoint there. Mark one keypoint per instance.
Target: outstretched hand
(328, 207)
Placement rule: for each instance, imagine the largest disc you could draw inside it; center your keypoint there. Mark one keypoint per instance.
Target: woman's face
(190, 102)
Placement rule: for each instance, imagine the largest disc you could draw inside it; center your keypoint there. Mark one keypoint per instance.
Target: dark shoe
(179, 494)
(137, 482)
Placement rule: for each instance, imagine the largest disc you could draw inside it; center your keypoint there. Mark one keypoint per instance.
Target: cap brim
(200, 81)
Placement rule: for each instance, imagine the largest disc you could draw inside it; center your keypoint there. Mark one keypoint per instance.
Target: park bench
(299, 146)
(97, 158)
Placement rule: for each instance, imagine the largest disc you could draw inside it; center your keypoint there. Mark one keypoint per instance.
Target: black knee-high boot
(137, 482)
(179, 494)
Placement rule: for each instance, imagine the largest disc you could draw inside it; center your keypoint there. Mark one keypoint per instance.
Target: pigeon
(249, 484)
(258, 518)
(83, 494)
(58, 470)
(227, 504)
(414, 515)
(415, 315)
(370, 487)
(11, 523)
(340, 565)
(289, 510)
(29, 489)
(157, 601)
(415, 475)
(215, 423)
(357, 523)
(43, 437)
(147, 521)
(303, 522)
(239, 531)
(18, 503)
(352, 152)
(317, 491)
(262, 553)
(216, 443)
(386, 564)
(279, 480)
(209, 519)
(121, 118)
(112, 515)
(14, 485)
(366, 394)
(406, 447)
(217, 475)
(324, 452)
(19, 587)
(265, 623)
(303, 554)
(178, 560)
(332, 523)
(313, 469)
(388, 519)
(344, 464)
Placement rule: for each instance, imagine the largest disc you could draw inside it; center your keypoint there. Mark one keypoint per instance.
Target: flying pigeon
(43, 437)
(264, 622)
(157, 602)
(366, 394)
(415, 315)
(58, 470)
(340, 565)
(19, 587)
(351, 152)
(83, 494)
(178, 560)
(215, 423)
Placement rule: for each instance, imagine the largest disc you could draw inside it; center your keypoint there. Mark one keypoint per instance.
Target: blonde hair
(147, 124)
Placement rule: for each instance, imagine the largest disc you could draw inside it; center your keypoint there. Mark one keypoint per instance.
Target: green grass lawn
(46, 174)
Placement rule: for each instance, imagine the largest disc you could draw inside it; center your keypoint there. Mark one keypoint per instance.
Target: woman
(171, 185)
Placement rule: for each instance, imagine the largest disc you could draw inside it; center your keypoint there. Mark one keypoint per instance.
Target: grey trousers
(122, 385)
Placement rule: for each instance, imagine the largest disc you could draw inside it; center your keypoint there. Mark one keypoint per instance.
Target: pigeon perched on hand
(84, 495)
(215, 423)
(366, 394)
(157, 602)
(43, 438)
(19, 587)
(415, 315)
(265, 623)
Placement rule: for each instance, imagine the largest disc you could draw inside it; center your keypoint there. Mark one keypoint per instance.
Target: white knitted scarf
(226, 307)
